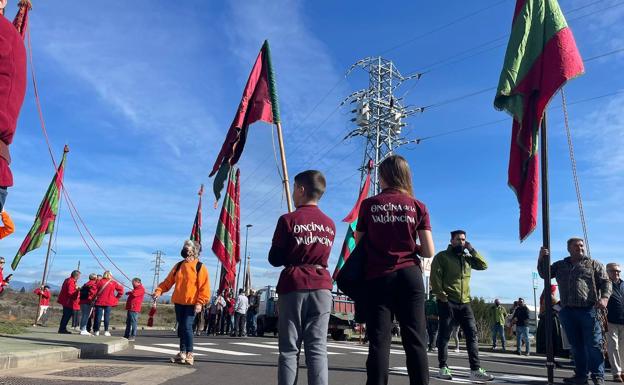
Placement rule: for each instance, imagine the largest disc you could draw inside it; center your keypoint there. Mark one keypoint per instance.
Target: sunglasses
(611, 271)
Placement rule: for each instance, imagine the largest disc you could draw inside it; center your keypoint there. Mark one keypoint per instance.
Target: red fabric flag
(541, 57)
(197, 224)
(259, 102)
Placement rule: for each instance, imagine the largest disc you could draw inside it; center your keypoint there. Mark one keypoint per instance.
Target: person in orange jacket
(67, 297)
(43, 293)
(9, 226)
(192, 291)
(105, 298)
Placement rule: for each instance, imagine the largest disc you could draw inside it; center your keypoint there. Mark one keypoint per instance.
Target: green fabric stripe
(272, 84)
(229, 205)
(535, 25)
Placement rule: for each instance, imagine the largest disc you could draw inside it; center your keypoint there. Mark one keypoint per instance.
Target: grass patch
(12, 327)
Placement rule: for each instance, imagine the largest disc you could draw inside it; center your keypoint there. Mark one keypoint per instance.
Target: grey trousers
(303, 317)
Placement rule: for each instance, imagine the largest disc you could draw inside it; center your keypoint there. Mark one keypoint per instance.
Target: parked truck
(340, 319)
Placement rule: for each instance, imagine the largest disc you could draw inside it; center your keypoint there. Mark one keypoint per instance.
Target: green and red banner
(46, 215)
(541, 57)
(349, 243)
(226, 244)
(259, 102)
(197, 224)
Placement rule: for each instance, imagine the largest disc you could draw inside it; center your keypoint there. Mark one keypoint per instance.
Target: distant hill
(29, 286)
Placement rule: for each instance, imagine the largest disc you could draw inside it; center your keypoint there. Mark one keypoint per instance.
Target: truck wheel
(260, 328)
(338, 335)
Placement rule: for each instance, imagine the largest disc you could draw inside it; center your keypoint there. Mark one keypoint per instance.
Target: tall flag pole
(226, 244)
(46, 216)
(259, 103)
(197, 224)
(541, 57)
(349, 243)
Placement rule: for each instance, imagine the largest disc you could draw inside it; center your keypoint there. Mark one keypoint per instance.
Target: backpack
(179, 265)
(84, 292)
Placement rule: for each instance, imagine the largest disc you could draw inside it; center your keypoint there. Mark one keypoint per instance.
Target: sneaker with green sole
(445, 373)
(480, 375)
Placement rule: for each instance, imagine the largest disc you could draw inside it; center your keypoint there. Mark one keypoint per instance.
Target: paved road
(252, 361)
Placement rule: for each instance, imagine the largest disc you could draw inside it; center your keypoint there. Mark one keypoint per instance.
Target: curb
(37, 358)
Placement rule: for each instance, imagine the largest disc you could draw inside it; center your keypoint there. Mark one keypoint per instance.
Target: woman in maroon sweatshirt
(390, 224)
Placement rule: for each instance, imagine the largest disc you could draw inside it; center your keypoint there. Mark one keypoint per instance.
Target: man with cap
(615, 318)
(450, 283)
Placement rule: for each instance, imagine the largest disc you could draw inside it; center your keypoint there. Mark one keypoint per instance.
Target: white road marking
(211, 350)
(160, 350)
(255, 345)
(204, 343)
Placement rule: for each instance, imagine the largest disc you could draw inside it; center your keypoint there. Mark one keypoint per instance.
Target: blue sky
(144, 94)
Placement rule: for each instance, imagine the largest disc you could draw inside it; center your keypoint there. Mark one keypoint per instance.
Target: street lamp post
(239, 266)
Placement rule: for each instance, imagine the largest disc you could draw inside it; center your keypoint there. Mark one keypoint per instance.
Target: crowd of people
(393, 229)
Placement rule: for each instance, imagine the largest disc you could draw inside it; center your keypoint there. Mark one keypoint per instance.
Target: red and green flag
(196, 230)
(349, 243)
(541, 57)
(226, 244)
(46, 215)
(259, 102)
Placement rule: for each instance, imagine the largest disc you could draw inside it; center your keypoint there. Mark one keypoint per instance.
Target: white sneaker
(85, 333)
(107, 334)
(456, 350)
(97, 333)
(480, 375)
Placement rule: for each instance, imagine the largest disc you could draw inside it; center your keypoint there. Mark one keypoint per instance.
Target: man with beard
(450, 282)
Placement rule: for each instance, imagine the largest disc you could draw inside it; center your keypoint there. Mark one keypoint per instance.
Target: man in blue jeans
(584, 288)
(498, 314)
(520, 318)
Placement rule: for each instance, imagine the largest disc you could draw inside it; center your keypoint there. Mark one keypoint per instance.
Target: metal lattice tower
(379, 113)
(158, 261)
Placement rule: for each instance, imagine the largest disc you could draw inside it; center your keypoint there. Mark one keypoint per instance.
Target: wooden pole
(548, 324)
(43, 279)
(280, 139)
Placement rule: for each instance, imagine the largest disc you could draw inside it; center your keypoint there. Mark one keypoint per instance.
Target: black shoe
(598, 380)
(575, 380)
(64, 332)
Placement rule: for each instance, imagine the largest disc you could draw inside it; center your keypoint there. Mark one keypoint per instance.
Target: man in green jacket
(450, 282)
(498, 314)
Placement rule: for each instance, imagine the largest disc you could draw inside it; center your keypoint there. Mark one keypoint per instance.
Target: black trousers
(460, 313)
(403, 294)
(68, 312)
(432, 332)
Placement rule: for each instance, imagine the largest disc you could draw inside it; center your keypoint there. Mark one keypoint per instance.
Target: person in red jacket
(44, 303)
(87, 294)
(12, 92)
(3, 281)
(133, 306)
(105, 298)
(67, 296)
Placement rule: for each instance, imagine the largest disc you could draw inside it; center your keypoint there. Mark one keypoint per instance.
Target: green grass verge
(12, 327)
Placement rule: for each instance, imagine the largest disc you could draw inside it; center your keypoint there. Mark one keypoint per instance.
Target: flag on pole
(46, 215)
(21, 19)
(197, 224)
(226, 244)
(259, 102)
(349, 243)
(541, 57)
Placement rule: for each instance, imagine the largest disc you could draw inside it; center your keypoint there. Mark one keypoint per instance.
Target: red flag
(197, 224)
(541, 57)
(226, 244)
(259, 102)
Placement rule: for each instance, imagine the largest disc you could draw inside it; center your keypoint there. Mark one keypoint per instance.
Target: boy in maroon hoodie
(302, 243)
(133, 306)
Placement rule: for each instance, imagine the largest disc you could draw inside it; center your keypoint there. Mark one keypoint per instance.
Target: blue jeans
(132, 323)
(523, 332)
(185, 315)
(498, 329)
(85, 313)
(98, 317)
(252, 322)
(584, 334)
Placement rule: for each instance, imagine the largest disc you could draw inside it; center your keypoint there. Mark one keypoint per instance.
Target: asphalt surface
(253, 361)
